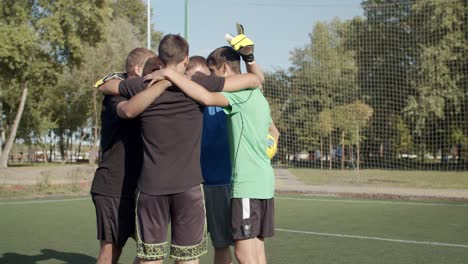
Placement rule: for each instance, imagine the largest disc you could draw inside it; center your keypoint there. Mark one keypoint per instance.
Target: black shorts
(218, 214)
(186, 213)
(115, 218)
(251, 218)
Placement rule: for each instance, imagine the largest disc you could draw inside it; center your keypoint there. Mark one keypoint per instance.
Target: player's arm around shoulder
(137, 104)
(239, 82)
(194, 90)
(110, 87)
(109, 84)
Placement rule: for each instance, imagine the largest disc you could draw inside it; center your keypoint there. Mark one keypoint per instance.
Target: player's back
(215, 160)
(121, 153)
(171, 131)
(249, 121)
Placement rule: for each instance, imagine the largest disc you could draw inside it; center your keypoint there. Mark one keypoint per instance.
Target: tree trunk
(43, 146)
(92, 155)
(77, 154)
(321, 152)
(2, 131)
(330, 150)
(61, 145)
(72, 150)
(52, 149)
(357, 150)
(46, 159)
(342, 150)
(11, 138)
(69, 146)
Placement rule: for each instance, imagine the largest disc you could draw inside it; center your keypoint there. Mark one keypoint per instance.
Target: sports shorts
(218, 214)
(185, 212)
(251, 218)
(115, 219)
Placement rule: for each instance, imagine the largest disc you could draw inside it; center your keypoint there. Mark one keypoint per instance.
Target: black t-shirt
(121, 153)
(171, 131)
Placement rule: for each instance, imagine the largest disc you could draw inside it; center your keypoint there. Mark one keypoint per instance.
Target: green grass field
(309, 230)
(384, 178)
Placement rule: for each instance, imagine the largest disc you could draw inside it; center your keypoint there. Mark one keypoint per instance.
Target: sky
(276, 27)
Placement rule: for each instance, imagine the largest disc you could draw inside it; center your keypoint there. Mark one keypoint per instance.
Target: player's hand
(242, 44)
(154, 77)
(110, 76)
(272, 146)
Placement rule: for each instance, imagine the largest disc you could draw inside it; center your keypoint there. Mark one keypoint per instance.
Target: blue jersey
(215, 157)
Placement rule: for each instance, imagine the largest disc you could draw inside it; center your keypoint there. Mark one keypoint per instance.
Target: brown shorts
(186, 213)
(252, 218)
(115, 218)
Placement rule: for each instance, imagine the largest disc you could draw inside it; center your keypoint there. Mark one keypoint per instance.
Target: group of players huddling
(168, 159)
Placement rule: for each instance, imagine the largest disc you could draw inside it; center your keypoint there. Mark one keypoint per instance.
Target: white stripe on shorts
(245, 208)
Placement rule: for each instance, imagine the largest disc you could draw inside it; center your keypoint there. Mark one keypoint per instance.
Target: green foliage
(58, 49)
(38, 39)
(405, 64)
(132, 11)
(402, 142)
(323, 76)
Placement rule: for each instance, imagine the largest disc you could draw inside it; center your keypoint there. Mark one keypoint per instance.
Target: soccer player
(252, 204)
(169, 186)
(216, 172)
(114, 183)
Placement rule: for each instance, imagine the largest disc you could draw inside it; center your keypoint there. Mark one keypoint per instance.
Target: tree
(385, 54)
(132, 12)
(108, 56)
(440, 74)
(278, 91)
(326, 126)
(323, 76)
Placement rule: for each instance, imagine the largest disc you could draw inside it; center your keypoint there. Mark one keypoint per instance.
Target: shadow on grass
(66, 257)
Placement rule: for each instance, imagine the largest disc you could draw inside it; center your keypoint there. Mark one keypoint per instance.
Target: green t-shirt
(249, 120)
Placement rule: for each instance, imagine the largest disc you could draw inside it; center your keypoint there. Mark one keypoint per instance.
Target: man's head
(197, 64)
(136, 60)
(224, 61)
(173, 51)
(152, 64)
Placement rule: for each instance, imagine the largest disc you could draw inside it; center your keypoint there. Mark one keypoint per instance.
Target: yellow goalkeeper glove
(272, 146)
(242, 44)
(110, 76)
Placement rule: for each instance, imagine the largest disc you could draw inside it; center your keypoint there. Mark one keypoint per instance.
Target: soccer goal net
(381, 97)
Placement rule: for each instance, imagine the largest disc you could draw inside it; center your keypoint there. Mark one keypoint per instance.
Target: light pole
(186, 20)
(148, 25)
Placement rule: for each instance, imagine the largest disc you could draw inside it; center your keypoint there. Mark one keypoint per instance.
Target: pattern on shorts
(147, 251)
(179, 253)
(151, 251)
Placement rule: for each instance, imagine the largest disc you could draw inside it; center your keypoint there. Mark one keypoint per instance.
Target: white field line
(361, 201)
(276, 198)
(45, 201)
(374, 238)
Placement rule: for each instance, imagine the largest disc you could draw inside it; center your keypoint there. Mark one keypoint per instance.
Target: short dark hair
(226, 55)
(173, 49)
(152, 64)
(196, 60)
(136, 57)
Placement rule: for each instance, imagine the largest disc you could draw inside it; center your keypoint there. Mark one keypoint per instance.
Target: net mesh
(379, 99)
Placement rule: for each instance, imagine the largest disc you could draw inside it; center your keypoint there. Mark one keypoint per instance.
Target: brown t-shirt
(121, 153)
(171, 131)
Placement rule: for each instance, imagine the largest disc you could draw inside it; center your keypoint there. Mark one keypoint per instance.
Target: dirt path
(285, 183)
(54, 174)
